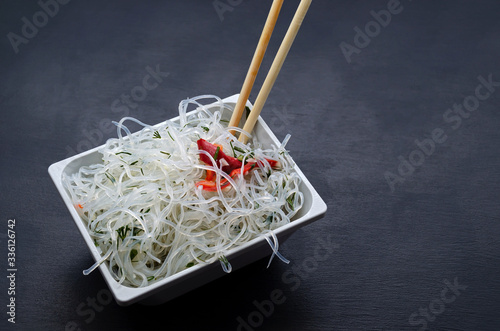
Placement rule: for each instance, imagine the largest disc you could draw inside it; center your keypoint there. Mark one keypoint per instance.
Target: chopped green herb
(110, 177)
(216, 155)
(205, 128)
(122, 232)
(168, 154)
(239, 149)
(224, 260)
(150, 278)
(156, 135)
(241, 156)
(123, 153)
(232, 147)
(190, 264)
(290, 201)
(142, 172)
(170, 136)
(135, 162)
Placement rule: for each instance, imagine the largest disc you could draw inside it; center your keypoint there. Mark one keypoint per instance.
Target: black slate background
(391, 251)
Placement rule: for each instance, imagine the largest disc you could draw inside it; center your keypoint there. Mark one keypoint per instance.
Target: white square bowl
(170, 287)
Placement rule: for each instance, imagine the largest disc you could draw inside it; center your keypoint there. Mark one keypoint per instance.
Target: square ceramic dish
(313, 209)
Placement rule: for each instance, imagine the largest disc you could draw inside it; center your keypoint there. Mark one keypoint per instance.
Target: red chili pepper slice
(272, 163)
(246, 169)
(212, 149)
(233, 168)
(209, 184)
(210, 176)
(212, 186)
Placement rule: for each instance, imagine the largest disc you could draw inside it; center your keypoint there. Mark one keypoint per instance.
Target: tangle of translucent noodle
(144, 212)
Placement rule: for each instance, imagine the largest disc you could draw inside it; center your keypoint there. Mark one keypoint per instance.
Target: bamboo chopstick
(275, 68)
(256, 62)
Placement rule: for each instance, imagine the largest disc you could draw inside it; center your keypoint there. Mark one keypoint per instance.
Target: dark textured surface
(389, 253)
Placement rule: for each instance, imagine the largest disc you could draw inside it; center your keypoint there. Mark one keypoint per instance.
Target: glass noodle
(148, 218)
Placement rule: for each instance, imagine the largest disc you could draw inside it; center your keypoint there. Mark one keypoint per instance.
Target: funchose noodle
(158, 204)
